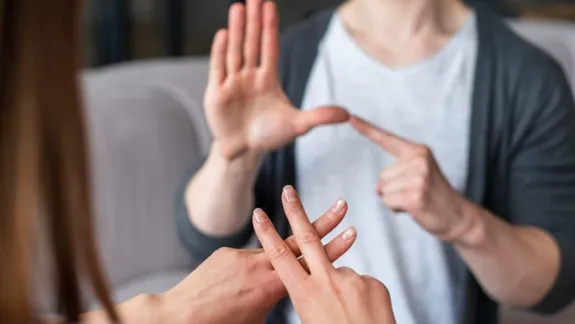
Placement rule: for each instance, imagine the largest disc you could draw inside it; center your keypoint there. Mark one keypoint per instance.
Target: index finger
(392, 143)
(289, 270)
(306, 236)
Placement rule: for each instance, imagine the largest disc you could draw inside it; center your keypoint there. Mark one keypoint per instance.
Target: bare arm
(526, 262)
(231, 286)
(142, 309)
(516, 265)
(223, 188)
(248, 114)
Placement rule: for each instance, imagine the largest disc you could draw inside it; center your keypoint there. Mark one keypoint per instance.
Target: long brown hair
(43, 161)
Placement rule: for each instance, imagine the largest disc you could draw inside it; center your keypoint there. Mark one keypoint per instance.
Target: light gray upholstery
(147, 129)
(146, 132)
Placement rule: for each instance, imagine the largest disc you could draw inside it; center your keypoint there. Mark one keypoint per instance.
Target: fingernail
(348, 234)
(290, 193)
(259, 215)
(338, 207)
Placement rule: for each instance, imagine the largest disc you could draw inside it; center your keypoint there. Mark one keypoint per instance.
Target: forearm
(142, 309)
(515, 265)
(220, 196)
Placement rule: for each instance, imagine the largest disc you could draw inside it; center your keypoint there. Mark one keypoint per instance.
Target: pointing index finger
(392, 143)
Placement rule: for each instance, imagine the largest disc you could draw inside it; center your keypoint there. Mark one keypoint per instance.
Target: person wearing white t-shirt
(449, 137)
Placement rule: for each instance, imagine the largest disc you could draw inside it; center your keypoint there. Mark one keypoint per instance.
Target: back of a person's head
(43, 169)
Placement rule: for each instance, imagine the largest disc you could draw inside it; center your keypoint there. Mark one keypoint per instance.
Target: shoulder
(298, 50)
(531, 84)
(312, 27)
(513, 55)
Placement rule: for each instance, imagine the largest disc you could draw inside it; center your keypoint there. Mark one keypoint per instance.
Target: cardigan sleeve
(542, 169)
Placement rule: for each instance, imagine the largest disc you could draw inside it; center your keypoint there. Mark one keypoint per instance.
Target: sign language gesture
(320, 293)
(415, 184)
(246, 108)
(245, 281)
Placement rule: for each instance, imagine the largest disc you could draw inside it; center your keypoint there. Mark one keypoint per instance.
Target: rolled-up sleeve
(542, 174)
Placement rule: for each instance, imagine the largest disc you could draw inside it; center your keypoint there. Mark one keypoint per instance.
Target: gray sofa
(147, 129)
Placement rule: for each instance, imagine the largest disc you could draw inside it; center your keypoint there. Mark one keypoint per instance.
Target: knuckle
(359, 285)
(233, 255)
(307, 237)
(422, 164)
(370, 281)
(381, 289)
(425, 151)
(349, 276)
(345, 271)
(425, 168)
(377, 286)
(279, 252)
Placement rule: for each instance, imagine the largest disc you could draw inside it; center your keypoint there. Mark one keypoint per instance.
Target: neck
(404, 18)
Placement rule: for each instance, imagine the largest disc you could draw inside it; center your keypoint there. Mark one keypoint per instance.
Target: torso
(430, 103)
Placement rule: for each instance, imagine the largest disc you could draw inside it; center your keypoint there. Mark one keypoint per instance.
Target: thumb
(323, 115)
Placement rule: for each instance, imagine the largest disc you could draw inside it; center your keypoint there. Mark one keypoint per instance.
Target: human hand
(246, 108)
(322, 294)
(241, 286)
(416, 185)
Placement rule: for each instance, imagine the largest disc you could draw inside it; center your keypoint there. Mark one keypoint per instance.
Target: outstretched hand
(320, 293)
(246, 108)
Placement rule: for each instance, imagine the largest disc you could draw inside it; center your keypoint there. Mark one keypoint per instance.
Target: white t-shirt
(429, 103)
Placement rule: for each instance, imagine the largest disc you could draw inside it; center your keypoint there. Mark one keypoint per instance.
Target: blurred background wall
(122, 30)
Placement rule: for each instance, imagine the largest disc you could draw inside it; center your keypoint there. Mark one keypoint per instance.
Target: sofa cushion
(145, 133)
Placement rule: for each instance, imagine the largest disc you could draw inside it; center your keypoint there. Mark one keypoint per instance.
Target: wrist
(177, 309)
(248, 161)
(144, 308)
(472, 230)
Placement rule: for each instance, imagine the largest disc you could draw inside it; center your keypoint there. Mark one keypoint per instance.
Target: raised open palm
(246, 108)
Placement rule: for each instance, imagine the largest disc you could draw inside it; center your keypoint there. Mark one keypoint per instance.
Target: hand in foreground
(416, 185)
(246, 109)
(241, 286)
(325, 294)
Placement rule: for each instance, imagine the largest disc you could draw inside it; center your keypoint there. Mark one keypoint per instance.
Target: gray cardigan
(522, 151)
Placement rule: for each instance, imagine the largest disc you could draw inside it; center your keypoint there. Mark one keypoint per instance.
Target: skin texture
(320, 293)
(249, 115)
(500, 255)
(246, 108)
(231, 286)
